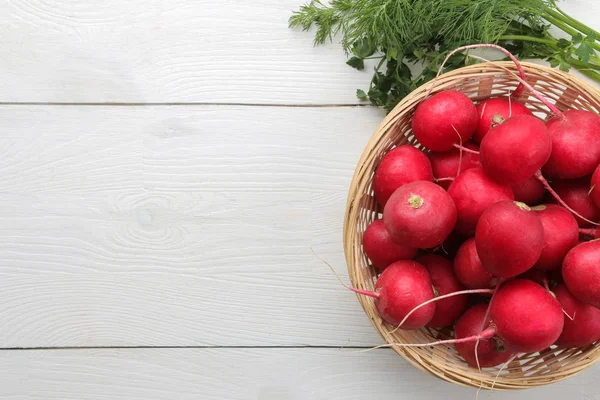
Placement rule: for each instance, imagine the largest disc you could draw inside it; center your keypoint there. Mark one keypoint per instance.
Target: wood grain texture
(157, 51)
(167, 51)
(177, 225)
(242, 374)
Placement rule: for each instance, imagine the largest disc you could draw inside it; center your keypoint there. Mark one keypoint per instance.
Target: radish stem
(541, 178)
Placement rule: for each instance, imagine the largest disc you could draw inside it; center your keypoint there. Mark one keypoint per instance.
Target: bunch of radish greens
(410, 38)
(501, 215)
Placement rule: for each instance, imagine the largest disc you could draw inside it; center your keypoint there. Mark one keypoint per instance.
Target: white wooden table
(165, 167)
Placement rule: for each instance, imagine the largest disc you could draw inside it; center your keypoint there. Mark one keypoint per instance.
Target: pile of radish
(492, 231)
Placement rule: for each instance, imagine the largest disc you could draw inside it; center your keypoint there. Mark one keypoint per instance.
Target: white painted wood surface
(155, 227)
(241, 374)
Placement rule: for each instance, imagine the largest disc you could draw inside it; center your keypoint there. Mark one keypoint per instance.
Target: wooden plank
(177, 225)
(263, 374)
(167, 51)
(232, 51)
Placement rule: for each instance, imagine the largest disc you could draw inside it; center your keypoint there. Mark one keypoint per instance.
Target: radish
(526, 316)
(581, 272)
(530, 192)
(381, 249)
(575, 144)
(445, 120)
(490, 351)
(509, 238)
(450, 163)
(469, 270)
(401, 287)
(444, 282)
(524, 138)
(575, 193)
(472, 192)
(495, 110)
(420, 214)
(595, 187)
(400, 166)
(561, 234)
(582, 326)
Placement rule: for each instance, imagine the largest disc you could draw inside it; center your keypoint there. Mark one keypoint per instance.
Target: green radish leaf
(363, 48)
(361, 94)
(357, 63)
(584, 51)
(392, 54)
(563, 43)
(577, 38)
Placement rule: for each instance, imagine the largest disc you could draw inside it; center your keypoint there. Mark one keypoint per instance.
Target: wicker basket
(478, 81)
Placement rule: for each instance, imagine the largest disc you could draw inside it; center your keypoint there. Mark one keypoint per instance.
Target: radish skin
(490, 351)
(581, 272)
(420, 214)
(444, 120)
(402, 286)
(584, 327)
(402, 165)
(522, 137)
(469, 270)
(444, 282)
(530, 192)
(575, 144)
(381, 249)
(561, 234)
(527, 317)
(494, 111)
(450, 163)
(594, 191)
(509, 239)
(473, 192)
(575, 193)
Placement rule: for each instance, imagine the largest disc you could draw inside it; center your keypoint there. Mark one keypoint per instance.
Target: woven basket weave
(479, 82)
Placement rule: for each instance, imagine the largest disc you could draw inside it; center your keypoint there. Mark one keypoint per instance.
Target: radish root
(462, 292)
(488, 333)
(547, 186)
(358, 291)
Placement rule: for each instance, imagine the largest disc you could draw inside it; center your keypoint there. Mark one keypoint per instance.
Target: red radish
(576, 194)
(472, 192)
(526, 316)
(420, 214)
(524, 138)
(469, 270)
(582, 325)
(595, 187)
(402, 286)
(494, 111)
(446, 164)
(575, 144)
(509, 238)
(400, 166)
(530, 192)
(381, 249)
(561, 234)
(490, 351)
(444, 282)
(581, 272)
(444, 120)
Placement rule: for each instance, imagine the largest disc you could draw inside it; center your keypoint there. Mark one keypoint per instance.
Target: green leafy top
(403, 34)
